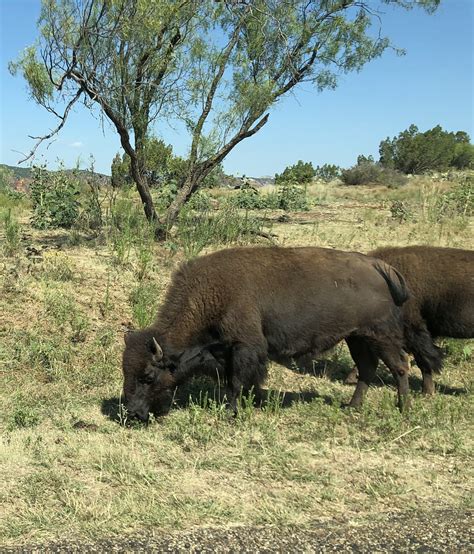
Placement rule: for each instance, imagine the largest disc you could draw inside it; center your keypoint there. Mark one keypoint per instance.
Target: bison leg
(248, 373)
(399, 365)
(428, 356)
(352, 377)
(366, 362)
(428, 383)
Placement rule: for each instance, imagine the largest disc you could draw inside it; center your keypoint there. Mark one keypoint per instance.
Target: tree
(327, 172)
(413, 151)
(300, 172)
(215, 66)
(160, 166)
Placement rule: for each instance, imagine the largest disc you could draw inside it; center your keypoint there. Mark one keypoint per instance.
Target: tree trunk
(143, 191)
(189, 186)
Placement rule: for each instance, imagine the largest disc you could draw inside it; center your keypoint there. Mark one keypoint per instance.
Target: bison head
(148, 375)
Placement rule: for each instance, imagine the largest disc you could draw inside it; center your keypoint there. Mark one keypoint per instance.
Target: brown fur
(442, 303)
(227, 312)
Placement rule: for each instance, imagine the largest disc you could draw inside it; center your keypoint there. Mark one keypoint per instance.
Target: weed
(144, 301)
(400, 211)
(12, 233)
(57, 266)
(22, 416)
(198, 230)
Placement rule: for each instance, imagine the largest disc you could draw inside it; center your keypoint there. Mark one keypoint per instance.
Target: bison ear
(156, 350)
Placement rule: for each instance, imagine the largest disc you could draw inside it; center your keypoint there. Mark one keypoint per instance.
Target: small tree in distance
(300, 172)
(216, 67)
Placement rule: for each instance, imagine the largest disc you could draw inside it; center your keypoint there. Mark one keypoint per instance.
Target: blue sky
(431, 84)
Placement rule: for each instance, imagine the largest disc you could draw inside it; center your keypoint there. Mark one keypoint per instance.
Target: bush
(12, 233)
(249, 198)
(200, 201)
(288, 197)
(369, 173)
(55, 198)
(457, 202)
(292, 197)
(300, 173)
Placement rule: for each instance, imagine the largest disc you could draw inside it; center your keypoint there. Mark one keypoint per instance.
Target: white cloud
(76, 144)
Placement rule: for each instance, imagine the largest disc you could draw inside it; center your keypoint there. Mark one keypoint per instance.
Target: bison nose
(142, 415)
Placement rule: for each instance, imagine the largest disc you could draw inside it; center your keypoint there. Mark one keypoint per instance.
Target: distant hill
(26, 172)
(18, 172)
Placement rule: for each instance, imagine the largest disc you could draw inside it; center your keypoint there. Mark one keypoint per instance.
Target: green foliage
(327, 172)
(293, 197)
(366, 172)
(23, 416)
(128, 229)
(144, 301)
(55, 198)
(12, 233)
(35, 74)
(289, 197)
(457, 202)
(463, 156)
(300, 172)
(249, 198)
(200, 201)
(415, 152)
(119, 171)
(197, 230)
(217, 67)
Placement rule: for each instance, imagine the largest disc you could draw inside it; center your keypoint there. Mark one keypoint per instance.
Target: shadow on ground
(201, 391)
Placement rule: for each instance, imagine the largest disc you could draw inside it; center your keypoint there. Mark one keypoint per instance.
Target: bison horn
(158, 352)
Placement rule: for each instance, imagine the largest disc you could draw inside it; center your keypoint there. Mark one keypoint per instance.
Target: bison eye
(145, 379)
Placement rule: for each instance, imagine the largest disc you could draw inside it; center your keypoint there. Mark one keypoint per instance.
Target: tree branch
(63, 119)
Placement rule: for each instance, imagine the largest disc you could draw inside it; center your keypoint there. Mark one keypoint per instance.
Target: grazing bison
(228, 312)
(441, 281)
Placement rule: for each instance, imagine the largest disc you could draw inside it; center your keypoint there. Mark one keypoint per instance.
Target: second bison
(228, 312)
(441, 281)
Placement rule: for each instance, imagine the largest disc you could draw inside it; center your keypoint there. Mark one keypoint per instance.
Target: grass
(70, 470)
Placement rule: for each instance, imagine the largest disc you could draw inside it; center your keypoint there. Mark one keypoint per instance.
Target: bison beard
(227, 313)
(441, 281)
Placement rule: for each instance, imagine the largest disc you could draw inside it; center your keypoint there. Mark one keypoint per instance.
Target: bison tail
(428, 356)
(395, 281)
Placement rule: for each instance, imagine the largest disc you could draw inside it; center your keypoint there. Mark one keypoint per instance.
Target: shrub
(458, 201)
(370, 173)
(249, 198)
(200, 201)
(300, 173)
(55, 198)
(292, 197)
(12, 233)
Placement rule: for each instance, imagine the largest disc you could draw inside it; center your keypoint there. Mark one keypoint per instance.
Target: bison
(226, 313)
(441, 304)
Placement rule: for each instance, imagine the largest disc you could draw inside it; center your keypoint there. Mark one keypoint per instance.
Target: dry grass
(68, 469)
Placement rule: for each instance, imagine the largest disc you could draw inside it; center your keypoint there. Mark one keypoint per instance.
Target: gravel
(439, 531)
